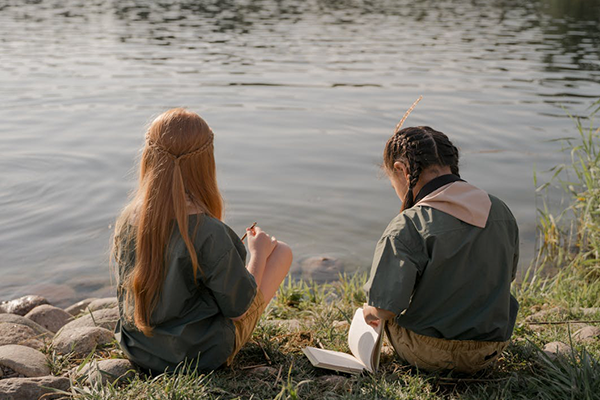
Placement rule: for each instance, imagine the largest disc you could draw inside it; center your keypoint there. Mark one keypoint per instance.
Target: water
(302, 97)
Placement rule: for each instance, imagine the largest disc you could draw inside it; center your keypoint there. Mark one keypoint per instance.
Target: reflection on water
(302, 97)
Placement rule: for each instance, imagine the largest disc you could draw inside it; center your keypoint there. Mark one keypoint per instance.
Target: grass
(272, 365)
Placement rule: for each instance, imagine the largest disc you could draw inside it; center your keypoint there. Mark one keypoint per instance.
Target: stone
(50, 317)
(105, 371)
(543, 315)
(287, 324)
(80, 306)
(24, 360)
(106, 318)
(555, 350)
(321, 269)
(23, 305)
(587, 334)
(57, 294)
(343, 325)
(17, 319)
(81, 341)
(587, 311)
(33, 388)
(100, 304)
(19, 334)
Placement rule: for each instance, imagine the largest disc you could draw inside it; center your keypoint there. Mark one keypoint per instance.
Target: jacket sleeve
(394, 273)
(233, 287)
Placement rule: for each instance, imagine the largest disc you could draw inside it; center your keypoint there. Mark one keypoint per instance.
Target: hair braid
(419, 148)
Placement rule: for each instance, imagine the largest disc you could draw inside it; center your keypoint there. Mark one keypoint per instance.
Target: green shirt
(192, 320)
(445, 278)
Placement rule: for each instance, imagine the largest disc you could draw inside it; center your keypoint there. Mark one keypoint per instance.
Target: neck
(429, 174)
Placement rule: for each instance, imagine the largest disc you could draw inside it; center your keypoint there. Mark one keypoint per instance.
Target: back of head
(177, 171)
(419, 148)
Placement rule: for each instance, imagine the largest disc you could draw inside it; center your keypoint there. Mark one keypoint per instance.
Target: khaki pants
(433, 354)
(245, 326)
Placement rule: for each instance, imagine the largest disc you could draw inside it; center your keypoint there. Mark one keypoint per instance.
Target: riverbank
(554, 352)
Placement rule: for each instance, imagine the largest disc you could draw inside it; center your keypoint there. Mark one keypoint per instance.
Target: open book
(364, 342)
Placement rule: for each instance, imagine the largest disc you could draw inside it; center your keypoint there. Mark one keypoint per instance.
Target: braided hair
(419, 148)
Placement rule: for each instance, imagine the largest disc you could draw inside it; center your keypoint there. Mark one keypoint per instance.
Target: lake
(301, 95)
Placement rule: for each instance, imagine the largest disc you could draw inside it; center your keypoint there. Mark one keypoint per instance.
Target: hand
(371, 317)
(260, 244)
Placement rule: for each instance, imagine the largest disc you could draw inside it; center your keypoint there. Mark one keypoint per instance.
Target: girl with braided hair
(184, 290)
(441, 274)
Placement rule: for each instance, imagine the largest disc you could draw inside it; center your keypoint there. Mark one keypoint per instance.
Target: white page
(333, 359)
(362, 339)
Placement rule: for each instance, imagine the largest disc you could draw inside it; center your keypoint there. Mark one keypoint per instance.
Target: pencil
(246, 234)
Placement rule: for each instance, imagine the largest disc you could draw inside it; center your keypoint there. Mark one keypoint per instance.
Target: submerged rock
(587, 334)
(50, 317)
(22, 305)
(105, 371)
(106, 318)
(321, 269)
(24, 360)
(81, 341)
(57, 294)
(19, 334)
(33, 388)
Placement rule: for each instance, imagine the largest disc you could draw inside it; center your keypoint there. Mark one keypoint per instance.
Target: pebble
(23, 305)
(33, 388)
(50, 317)
(80, 306)
(19, 334)
(17, 319)
(81, 341)
(287, 324)
(106, 318)
(336, 382)
(24, 360)
(587, 334)
(555, 350)
(544, 314)
(263, 371)
(105, 371)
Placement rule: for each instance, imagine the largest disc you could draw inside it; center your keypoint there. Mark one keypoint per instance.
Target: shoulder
(214, 238)
(405, 229)
(500, 211)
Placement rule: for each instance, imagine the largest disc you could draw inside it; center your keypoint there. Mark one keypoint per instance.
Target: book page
(364, 340)
(333, 360)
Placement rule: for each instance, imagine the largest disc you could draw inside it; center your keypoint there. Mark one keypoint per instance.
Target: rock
(321, 269)
(587, 334)
(543, 315)
(105, 371)
(24, 360)
(287, 324)
(263, 371)
(100, 304)
(19, 334)
(81, 341)
(80, 306)
(57, 294)
(23, 305)
(343, 325)
(106, 318)
(33, 388)
(17, 319)
(555, 350)
(590, 311)
(50, 317)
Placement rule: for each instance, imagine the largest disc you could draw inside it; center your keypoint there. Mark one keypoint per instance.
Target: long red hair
(177, 169)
